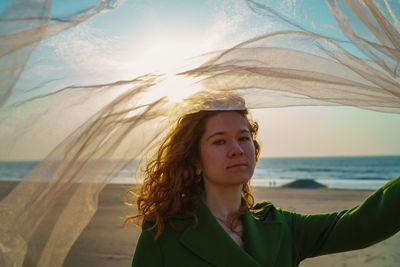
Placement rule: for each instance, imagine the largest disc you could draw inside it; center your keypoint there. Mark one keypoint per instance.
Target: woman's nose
(236, 150)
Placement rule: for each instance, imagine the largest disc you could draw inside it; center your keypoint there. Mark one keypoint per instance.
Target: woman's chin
(240, 180)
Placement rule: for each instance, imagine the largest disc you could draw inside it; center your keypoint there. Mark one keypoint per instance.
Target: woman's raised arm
(374, 220)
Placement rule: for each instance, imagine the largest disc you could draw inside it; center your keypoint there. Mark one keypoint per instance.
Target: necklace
(239, 233)
(236, 236)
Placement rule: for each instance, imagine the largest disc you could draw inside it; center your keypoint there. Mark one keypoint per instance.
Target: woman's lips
(237, 165)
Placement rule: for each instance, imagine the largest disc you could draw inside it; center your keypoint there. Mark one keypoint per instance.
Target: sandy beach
(105, 242)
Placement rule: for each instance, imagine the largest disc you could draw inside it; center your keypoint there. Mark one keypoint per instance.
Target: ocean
(355, 172)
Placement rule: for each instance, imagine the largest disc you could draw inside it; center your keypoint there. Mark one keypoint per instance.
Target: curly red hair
(171, 186)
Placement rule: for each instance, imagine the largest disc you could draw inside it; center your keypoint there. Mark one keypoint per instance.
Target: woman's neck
(222, 201)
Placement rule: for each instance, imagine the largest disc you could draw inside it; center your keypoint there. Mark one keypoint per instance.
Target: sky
(141, 36)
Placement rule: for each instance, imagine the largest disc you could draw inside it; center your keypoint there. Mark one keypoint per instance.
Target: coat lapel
(263, 238)
(210, 242)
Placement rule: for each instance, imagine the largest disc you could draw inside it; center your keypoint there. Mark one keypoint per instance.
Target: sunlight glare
(175, 87)
(171, 54)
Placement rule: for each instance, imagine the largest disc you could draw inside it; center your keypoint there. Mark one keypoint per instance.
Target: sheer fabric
(293, 67)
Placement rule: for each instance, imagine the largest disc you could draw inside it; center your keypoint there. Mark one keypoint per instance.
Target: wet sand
(105, 242)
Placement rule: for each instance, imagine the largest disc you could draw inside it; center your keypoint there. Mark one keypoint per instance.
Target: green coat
(273, 237)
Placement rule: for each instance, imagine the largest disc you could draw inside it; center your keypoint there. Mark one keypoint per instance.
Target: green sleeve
(376, 219)
(148, 252)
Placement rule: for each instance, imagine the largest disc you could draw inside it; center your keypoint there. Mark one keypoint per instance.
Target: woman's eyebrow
(222, 133)
(214, 134)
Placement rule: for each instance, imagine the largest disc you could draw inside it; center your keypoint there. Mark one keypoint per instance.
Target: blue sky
(144, 36)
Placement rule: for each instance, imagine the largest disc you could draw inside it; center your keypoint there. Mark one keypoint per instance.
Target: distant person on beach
(196, 207)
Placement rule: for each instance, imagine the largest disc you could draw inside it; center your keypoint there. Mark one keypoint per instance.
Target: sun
(167, 53)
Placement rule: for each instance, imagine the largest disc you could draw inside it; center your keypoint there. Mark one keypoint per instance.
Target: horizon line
(305, 156)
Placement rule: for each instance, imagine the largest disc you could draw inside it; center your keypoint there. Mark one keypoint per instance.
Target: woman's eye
(244, 138)
(219, 142)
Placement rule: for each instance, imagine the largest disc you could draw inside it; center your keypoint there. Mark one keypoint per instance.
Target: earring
(198, 176)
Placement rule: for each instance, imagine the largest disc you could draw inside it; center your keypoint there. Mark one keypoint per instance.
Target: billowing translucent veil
(295, 66)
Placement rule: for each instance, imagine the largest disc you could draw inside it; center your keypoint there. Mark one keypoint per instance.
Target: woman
(198, 210)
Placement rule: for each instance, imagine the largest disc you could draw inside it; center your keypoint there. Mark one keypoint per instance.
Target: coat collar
(263, 238)
(210, 242)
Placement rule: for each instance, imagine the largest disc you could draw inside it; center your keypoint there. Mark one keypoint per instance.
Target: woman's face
(227, 154)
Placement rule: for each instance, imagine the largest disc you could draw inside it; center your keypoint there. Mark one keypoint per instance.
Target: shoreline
(268, 183)
(104, 242)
